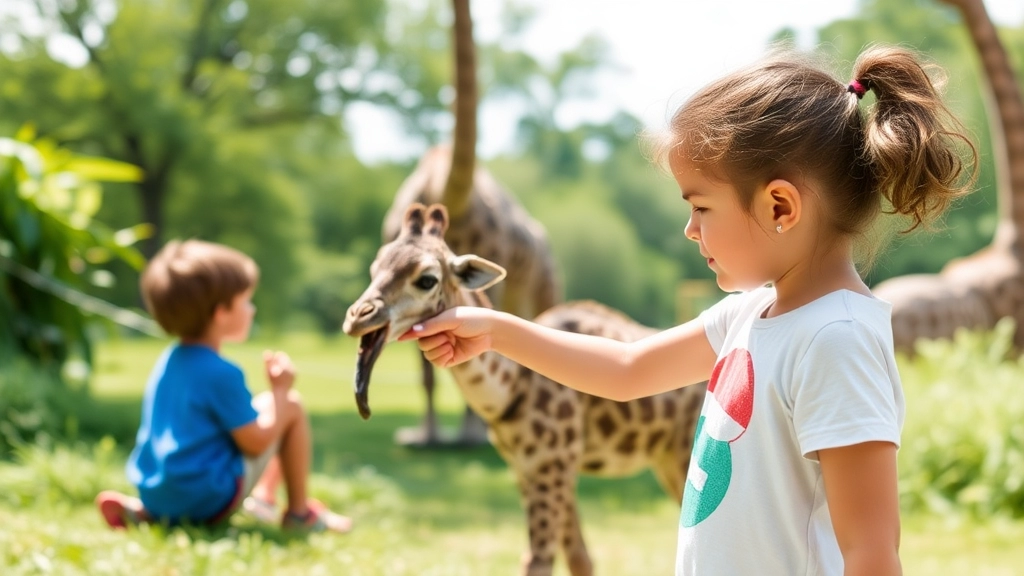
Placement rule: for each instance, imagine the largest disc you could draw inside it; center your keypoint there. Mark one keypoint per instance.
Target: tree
(49, 245)
(163, 81)
(210, 98)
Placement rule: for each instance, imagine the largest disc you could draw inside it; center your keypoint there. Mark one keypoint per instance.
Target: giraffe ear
(437, 220)
(412, 222)
(475, 273)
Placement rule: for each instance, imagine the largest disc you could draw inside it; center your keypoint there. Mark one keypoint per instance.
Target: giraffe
(546, 432)
(977, 290)
(485, 219)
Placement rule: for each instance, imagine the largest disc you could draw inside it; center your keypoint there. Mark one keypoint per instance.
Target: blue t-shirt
(185, 463)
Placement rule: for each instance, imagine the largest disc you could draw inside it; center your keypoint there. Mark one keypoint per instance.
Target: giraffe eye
(425, 282)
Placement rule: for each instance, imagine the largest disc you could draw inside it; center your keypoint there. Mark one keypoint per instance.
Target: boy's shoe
(120, 510)
(317, 519)
(262, 510)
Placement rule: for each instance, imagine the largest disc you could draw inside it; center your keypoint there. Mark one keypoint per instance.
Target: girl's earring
(779, 228)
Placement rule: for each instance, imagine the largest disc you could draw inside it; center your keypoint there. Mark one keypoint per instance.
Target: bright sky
(666, 50)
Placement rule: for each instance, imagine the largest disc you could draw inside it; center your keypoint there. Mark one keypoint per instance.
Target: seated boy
(204, 442)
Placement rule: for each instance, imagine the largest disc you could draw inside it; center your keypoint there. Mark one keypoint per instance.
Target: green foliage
(963, 442)
(33, 402)
(602, 259)
(332, 283)
(48, 197)
(58, 474)
(256, 211)
(209, 99)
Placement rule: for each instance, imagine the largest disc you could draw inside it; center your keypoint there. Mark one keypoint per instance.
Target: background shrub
(963, 442)
(32, 402)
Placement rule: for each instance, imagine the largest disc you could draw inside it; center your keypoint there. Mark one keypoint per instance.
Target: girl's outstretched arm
(860, 487)
(603, 367)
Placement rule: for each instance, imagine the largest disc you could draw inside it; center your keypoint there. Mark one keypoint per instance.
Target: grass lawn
(417, 512)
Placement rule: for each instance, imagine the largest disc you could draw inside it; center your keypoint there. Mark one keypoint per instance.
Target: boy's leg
(258, 487)
(265, 489)
(294, 451)
(295, 457)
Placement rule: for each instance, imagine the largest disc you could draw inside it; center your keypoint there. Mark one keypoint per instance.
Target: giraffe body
(547, 433)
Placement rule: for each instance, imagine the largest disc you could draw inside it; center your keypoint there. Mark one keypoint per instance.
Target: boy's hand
(280, 370)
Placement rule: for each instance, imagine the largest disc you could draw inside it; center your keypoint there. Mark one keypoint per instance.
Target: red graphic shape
(732, 383)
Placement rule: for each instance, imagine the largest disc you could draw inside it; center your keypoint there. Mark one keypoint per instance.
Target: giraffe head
(412, 278)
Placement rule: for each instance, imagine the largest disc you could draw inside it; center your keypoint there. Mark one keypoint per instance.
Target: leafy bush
(50, 241)
(50, 474)
(963, 442)
(32, 402)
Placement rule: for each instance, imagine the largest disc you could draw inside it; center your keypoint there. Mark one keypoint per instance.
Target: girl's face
(237, 320)
(738, 246)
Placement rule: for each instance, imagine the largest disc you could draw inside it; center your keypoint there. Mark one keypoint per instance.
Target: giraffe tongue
(370, 346)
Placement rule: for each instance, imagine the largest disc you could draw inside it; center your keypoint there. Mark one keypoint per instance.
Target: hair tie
(859, 88)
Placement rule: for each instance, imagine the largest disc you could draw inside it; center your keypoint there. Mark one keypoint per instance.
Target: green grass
(417, 512)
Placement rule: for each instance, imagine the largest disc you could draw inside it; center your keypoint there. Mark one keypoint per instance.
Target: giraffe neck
(489, 382)
(460, 177)
(1006, 117)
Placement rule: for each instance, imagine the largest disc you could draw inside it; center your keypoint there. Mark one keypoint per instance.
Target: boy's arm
(860, 486)
(255, 437)
(600, 366)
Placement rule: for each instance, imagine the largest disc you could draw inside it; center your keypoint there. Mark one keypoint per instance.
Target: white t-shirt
(821, 376)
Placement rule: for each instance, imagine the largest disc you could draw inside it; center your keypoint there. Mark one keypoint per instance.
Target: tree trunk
(152, 194)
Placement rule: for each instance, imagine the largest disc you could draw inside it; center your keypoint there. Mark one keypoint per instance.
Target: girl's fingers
(437, 353)
(441, 323)
(445, 361)
(431, 342)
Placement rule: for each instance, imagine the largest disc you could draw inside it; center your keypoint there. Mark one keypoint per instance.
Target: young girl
(794, 460)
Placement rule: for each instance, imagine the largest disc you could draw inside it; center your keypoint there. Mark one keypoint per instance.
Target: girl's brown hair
(786, 118)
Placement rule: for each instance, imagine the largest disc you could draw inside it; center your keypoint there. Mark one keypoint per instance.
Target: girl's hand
(453, 336)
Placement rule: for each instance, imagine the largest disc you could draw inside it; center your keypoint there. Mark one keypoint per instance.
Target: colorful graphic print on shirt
(726, 416)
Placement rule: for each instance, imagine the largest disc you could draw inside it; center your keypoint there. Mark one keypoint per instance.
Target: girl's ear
(783, 204)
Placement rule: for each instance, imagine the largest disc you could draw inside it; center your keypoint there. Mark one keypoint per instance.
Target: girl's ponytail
(914, 146)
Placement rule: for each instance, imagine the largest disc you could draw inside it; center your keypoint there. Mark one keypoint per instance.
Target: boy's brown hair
(185, 282)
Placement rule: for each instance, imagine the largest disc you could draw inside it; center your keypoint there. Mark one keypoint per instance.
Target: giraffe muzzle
(370, 346)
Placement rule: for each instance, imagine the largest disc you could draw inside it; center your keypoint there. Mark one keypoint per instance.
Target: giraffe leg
(545, 521)
(670, 470)
(473, 431)
(572, 533)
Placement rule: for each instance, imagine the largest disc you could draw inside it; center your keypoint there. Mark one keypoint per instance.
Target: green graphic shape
(714, 457)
